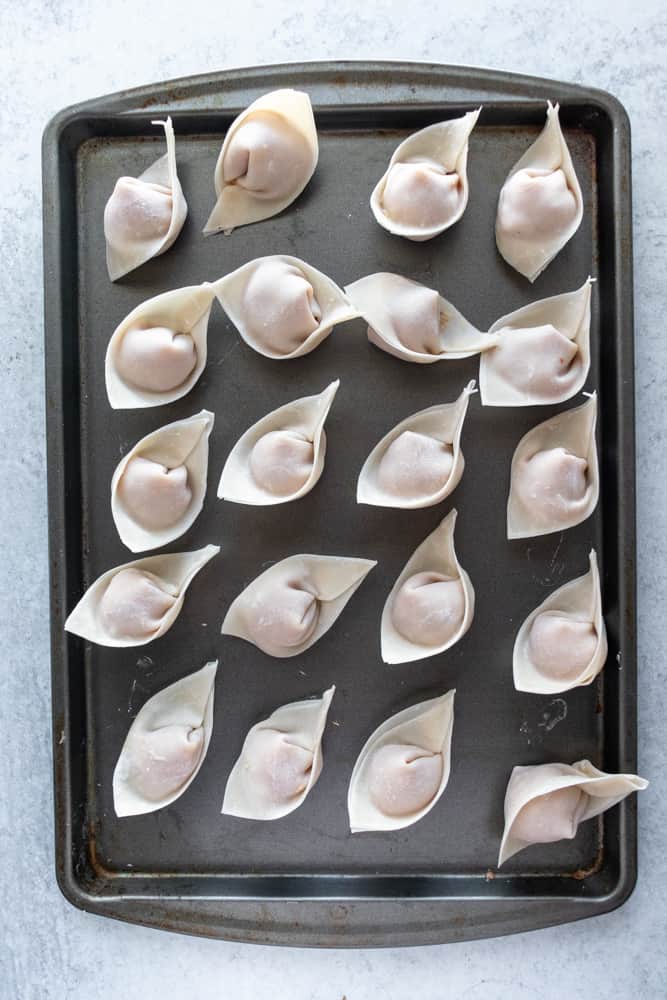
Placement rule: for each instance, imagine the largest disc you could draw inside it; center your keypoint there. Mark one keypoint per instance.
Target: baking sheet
(139, 866)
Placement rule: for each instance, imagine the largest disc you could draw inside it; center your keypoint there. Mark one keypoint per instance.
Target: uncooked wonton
(289, 606)
(547, 802)
(414, 322)
(425, 187)
(144, 214)
(403, 767)
(280, 761)
(540, 205)
(269, 154)
(166, 745)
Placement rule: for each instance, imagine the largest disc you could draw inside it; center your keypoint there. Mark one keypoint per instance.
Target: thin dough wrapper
(542, 804)
(158, 488)
(419, 462)
(555, 480)
(563, 643)
(425, 187)
(540, 206)
(289, 606)
(413, 322)
(267, 158)
(282, 307)
(166, 745)
(158, 352)
(280, 761)
(543, 353)
(442, 614)
(139, 601)
(403, 767)
(281, 457)
(144, 215)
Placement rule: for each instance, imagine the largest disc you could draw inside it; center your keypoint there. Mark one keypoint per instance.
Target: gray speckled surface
(59, 52)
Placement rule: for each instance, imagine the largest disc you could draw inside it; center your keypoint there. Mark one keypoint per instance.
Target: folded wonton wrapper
(274, 145)
(435, 556)
(567, 461)
(419, 462)
(414, 322)
(182, 444)
(402, 784)
(560, 816)
(280, 761)
(282, 307)
(289, 606)
(171, 573)
(543, 354)
(166, 745)
(127, 249)
(576, 604)
(436, 152)
(529, 247)
(291, 459)
(182, 311)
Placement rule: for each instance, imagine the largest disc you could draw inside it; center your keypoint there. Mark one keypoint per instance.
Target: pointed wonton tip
(329, 392)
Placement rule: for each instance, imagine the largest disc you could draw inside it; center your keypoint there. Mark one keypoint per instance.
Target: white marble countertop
(57, 52)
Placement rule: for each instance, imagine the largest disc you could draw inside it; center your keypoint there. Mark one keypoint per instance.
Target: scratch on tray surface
(224, 357)
(132, 690)
(556, 551)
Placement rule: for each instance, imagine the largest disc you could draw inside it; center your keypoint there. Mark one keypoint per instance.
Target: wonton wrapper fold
(443, 423)
(180, 717)
(174, 570)
(389, 301)
(184, 442)
(427, 725)
(305, 417)
(302, 725)
(436, 554)
(570, 315)
(602, 791)
(582, 600)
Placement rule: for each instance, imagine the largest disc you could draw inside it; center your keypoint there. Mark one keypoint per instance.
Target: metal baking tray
(304, 879)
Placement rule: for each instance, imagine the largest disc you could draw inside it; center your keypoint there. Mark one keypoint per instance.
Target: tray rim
(321, 926)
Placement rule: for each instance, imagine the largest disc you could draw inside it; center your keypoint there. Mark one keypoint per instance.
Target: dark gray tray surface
(117, 866)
